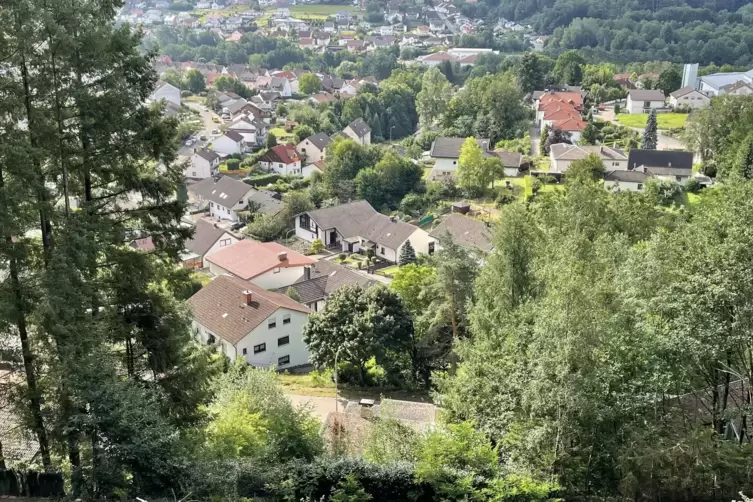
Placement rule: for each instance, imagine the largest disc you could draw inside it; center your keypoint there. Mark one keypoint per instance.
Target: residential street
(535, 134)
(320, 406)
(206, 130)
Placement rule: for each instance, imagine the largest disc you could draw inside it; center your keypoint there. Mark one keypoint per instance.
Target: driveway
(207, 125)
(320, 406)
(535, 134)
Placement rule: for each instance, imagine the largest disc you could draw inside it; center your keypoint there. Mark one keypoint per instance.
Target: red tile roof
(561, 114)
(570, 124)
(247, 259)
(222, 308)
(573, 98)
(285, 154)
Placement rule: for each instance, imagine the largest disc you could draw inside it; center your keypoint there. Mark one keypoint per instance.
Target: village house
(230, 143)
(204, 164)
(688, 97)
(224, 197)
(282, 159)
(357, 227)
(263, 328)
(167, 92)
(662, 164)
(644, 100)
(322, 279)
(562, 155)
(269, 265)
(633, 181)
(359, 131)
(445, 152)
(208, 238)
(313, 149)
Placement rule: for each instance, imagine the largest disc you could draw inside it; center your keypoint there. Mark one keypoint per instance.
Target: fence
(31, 484)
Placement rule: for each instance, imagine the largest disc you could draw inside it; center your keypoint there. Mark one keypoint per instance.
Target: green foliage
(293, 294)
(309, 84)
(317, 246)
(391, 442)
(302, 132)
(361, 324)
(262, 180)
(345, 160)
(407, 254)
(590, 168)
(459, 448)
(590, 135)
(194, 81)
(650, 133)
(475, 171)
(432, 100)
(669, 81)
(350, 490)
(531, 73)
(388, 181)
(233, 164)
(271, 140)
(519, 145)
(265, 227)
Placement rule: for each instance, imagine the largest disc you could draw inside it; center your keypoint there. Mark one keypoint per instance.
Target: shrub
(317, 246)
(342, 256)
(693, 186)
(504, 198)
(233, 164)
(262, 179)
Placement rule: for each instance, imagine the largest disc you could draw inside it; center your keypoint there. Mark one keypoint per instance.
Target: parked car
(237, 225)
(215, 131)
(216, 119)
(203, 137)
(189, 142)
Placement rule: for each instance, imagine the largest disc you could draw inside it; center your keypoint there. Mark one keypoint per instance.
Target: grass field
(281, 134)
(320, 385)
(388, 271)
(313, 12)
(663, 120)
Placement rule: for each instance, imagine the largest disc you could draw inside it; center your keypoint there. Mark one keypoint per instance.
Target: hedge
(31, 484)
(263, 180)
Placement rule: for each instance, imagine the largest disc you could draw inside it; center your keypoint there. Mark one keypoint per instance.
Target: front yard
(663, 120)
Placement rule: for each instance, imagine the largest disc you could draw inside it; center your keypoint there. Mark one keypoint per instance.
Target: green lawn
(281, 134)
(388, 272)
(427, 172)
(527, 183)
(310, 11)
(663, 120)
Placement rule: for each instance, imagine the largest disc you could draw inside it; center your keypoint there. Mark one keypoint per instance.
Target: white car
(189, 142)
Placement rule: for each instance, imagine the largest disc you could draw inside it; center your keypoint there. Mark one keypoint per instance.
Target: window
(193, 174)
(260, 348)
(211, 204)
(431, 248)
(286, 319)
(210, 339)
(381, 250)
(640, 186)
(224, 242)
(283, 361)
(615, 164)
(678, 178)
(454, 162)
(283, 341)
(245, 351)
(304, 221)
(276, 270)
(272, 323)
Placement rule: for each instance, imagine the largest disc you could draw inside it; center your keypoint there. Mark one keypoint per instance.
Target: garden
(663, 120)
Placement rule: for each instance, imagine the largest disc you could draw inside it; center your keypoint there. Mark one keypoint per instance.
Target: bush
(233, 164)
(185, 94)
(266, 227)
(693, 186)
(263, 179)
(504, 198)
(342, 256)
(317, 246)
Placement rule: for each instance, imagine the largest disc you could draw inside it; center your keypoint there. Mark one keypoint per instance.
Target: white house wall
(296, 349)
(624, 186)
(283, 277)
(217, 246)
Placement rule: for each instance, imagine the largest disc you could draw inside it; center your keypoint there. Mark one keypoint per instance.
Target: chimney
(248, 296)
(306, 273)
(282, 256)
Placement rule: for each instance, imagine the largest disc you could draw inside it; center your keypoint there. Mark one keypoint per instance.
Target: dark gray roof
(320, 140)
(325, 278)
(510, 159)
(204, 237)
(207, 154)
(669, 171)
(466, 232)
(652, 159)
(225, 192)
(359, 219)
(267, 203)
(360, 127)
(236, 105)
(449, 148)
(626, 176)
(646, 95)
(278, 83)
(235, 136)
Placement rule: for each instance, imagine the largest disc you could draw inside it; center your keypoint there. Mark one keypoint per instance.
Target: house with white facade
(359, 131)
(632, 181)
(562, 155)
(230, 143)
(166, 91)
(223, 196)
(644, 100)
(269, 265)
(253, 130)
(313, 149)
(688, 97)
(357, 227)
(717, 84)
(244, 321)
(208, 238)
(204, 164)
(282, 159)
(445, 152)
(665, 165)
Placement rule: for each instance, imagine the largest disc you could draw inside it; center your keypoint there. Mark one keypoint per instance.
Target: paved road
(535, 134)
(207, 126)
(664, 142)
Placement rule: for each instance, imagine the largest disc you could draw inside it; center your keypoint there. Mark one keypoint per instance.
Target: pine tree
(649, 133)
(121, 376)
(407, 254)
(542, 140)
